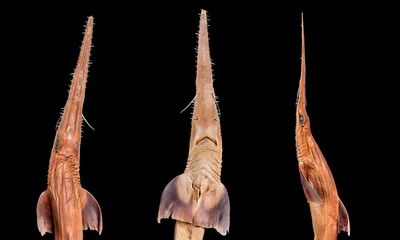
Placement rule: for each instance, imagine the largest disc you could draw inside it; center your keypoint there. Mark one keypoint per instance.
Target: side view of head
(302, 119)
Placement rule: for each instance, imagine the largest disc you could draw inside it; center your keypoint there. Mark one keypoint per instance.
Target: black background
(142, 75)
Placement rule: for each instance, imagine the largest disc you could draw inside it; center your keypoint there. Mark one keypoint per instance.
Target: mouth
(206, 138)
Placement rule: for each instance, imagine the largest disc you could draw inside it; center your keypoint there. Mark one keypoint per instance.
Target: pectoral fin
(44, 214)
(91, 212)
(214, 209)
(309, 190)
(177, 200)
(343, 220)
(210, 210)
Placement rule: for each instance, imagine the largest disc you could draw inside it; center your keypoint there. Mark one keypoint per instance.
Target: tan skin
(197, 199)
(65, 208)
(329, 216)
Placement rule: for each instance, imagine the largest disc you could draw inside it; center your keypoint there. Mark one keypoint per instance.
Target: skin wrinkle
(207, 160)
(66, 208)
(329, 216)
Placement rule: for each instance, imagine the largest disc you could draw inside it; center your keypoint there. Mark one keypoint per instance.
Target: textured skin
(329, 215)
(185, 231)
(197, 199)
(65, 208)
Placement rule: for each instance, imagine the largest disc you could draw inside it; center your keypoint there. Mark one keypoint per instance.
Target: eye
(57, 145)
(301, 119)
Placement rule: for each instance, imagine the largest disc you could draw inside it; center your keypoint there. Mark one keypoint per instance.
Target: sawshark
(328, 213)
(197, 199)
(65, 208)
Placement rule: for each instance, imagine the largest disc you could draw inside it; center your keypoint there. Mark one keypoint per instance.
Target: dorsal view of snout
(66, 208)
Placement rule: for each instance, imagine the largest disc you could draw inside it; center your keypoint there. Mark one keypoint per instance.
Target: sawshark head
(65, 208)
(302, 119)
(205, 120)
(68, 135)
(197, 198)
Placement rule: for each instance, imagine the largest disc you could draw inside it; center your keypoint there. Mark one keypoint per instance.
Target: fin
(44, 214)
(91, 213)
(210, 211)
(176, 200)
(343, 220)
(309, 190)
(214, 209)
